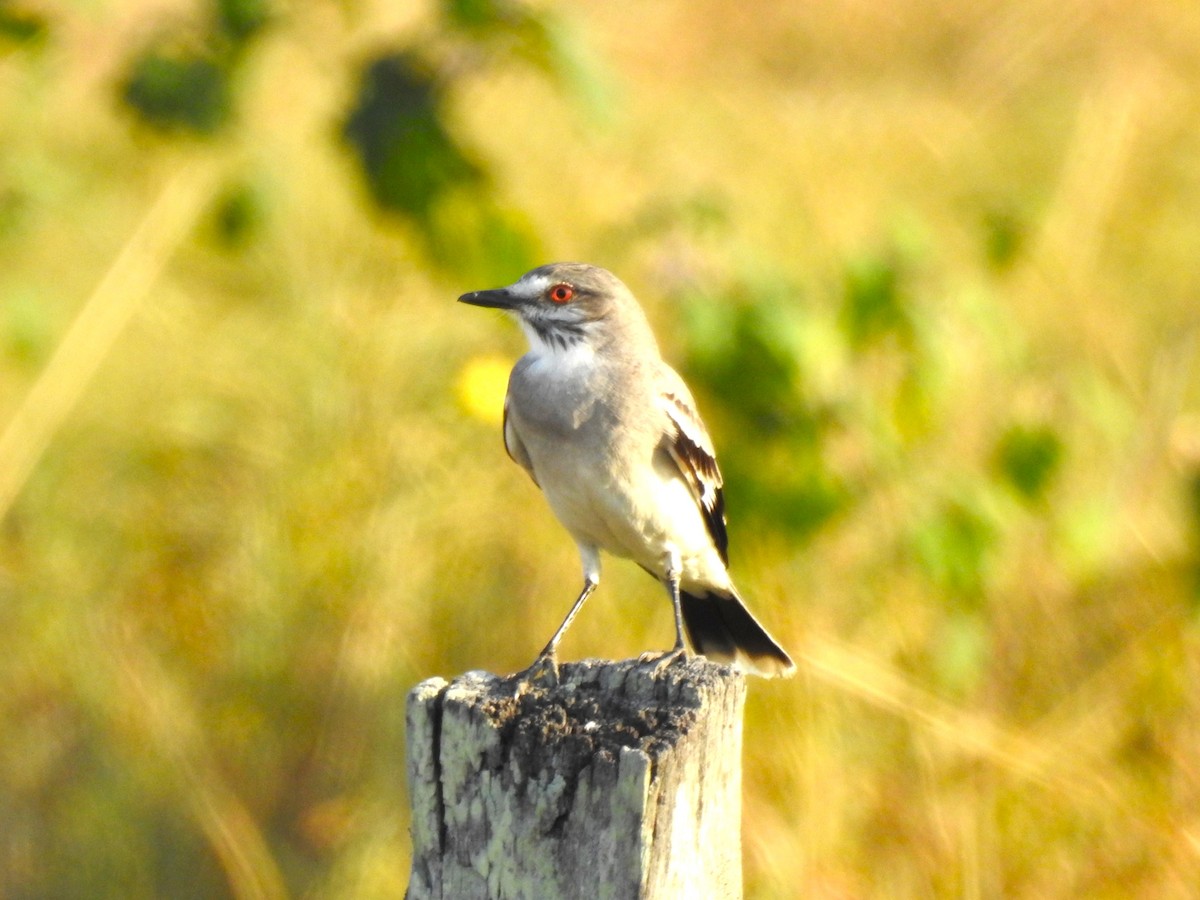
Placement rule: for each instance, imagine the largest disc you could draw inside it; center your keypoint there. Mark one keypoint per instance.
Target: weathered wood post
(617, 782)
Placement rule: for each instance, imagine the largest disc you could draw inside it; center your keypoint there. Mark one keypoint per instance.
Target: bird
(610, 434)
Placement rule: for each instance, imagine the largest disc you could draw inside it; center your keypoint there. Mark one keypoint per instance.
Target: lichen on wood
(620, 780)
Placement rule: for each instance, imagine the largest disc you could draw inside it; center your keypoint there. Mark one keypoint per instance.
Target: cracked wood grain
(617, 782)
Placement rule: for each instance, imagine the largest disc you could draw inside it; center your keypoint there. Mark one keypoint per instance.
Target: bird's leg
(545, 668)
(676, 603)
(679, 651)
(552, 646)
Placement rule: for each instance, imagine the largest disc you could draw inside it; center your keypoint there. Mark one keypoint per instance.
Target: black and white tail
(720, 627)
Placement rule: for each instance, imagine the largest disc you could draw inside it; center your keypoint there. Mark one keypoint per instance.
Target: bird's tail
(720, 627)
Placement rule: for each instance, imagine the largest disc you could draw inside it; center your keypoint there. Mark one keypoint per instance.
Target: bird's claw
(542, 673)
(663, 661)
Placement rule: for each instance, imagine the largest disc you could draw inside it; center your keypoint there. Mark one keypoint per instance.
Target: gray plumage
(610, 434)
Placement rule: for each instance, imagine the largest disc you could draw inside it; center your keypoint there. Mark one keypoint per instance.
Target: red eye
(561, 293)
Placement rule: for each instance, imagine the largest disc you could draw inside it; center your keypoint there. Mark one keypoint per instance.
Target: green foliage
(874, 302)
(21, 26)
(237, 216)
(1191, 495)
(179, 89)
(241, 20)
(745, 352)
(1004, 238)
(498, 21)
(185, 80)
(1027, 458)
(413, 166)
(409, 159)
(414, 163)
(952, 544)
(480, 238)
(536, 35)
(961, 459)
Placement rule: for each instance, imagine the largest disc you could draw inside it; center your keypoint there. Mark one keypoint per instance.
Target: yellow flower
(481, 385)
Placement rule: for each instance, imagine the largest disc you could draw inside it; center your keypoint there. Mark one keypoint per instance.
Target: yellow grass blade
(97, 326)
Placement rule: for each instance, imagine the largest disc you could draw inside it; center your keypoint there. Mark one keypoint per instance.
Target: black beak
(498, 298)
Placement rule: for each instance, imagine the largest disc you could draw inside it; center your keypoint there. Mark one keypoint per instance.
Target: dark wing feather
(690, 447)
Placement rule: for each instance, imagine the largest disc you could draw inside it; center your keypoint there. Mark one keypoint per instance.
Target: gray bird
(610, 434)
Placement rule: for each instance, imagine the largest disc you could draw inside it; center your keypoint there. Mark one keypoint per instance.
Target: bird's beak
(498, 298)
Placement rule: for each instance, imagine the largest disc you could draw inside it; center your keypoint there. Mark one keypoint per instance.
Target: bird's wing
(689, 445)
(513, 446)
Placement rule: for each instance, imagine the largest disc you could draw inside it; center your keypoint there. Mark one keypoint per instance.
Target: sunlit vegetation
(931, 270)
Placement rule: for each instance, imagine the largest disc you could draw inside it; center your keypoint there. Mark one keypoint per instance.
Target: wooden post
(615, 783)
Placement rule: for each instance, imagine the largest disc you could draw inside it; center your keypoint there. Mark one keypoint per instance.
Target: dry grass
(251, 492)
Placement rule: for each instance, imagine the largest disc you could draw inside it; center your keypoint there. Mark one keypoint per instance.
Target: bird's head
(562, 304)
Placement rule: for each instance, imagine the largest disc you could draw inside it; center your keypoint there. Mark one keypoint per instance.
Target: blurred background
(931, 269)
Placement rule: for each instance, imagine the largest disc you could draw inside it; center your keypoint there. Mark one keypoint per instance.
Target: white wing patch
(692, 450)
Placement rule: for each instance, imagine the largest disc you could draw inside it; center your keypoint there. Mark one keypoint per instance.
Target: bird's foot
(541, 674)
(664, 661)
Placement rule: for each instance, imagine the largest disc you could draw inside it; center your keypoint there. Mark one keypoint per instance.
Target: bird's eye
(561, 293)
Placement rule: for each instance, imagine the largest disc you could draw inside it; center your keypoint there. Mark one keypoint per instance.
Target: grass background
(930, 268)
